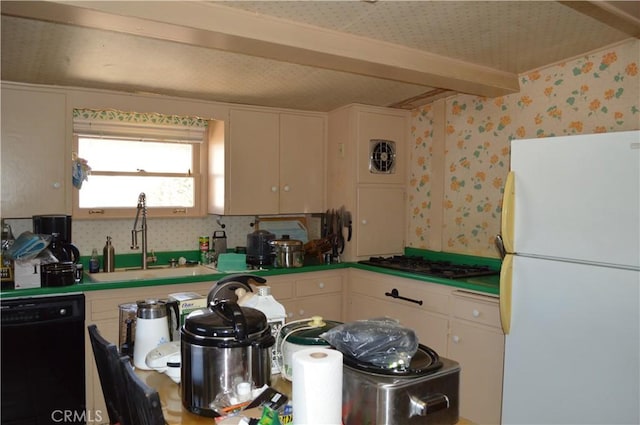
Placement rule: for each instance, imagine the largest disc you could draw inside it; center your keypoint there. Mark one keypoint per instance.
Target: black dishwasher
(42, 361)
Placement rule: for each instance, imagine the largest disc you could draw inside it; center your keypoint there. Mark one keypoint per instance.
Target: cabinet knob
(321, 285)
(456, 339)
(364, 221)
(301, 313)
(475, 313)
(290, 315)
(274, 189)
(286, 188)
(56, 185)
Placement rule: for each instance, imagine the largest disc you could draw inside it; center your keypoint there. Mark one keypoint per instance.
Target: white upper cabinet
(274, 163)
(366, 172)
(36, 164)
(381, 147)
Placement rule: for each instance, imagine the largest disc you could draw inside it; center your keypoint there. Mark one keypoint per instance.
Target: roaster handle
(396, 294)
(431, 404)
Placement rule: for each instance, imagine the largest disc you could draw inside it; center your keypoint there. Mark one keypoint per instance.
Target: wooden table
(176, 414)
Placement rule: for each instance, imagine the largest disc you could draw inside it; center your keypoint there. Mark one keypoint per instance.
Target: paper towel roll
(317, 387)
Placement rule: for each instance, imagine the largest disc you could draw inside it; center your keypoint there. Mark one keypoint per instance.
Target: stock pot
(287, 253)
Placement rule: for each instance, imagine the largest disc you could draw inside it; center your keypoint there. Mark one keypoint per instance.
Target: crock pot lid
(307, 336)
(214, 324)
(422, 363)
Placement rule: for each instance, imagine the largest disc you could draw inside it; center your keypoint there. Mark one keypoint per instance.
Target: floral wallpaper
(593, 94)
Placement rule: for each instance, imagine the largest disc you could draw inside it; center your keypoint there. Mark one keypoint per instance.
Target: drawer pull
(475, 313)
(395, 294)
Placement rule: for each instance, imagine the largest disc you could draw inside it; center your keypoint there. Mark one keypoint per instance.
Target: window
(127, 157)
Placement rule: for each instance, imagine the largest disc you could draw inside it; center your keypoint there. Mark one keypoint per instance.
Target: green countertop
(485, 284)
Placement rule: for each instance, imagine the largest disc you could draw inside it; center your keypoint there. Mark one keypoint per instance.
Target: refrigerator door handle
(506, 278)
(508, 210)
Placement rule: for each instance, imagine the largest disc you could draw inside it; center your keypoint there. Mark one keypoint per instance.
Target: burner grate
(419, 265)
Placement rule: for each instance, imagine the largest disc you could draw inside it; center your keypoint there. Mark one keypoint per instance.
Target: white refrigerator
(570, 282)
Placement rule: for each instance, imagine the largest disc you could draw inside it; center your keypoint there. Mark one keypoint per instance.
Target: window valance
(110, 123)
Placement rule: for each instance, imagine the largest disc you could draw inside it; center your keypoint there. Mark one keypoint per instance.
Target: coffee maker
(59, 227)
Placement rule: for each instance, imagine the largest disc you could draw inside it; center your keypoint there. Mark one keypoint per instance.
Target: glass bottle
(94, 262)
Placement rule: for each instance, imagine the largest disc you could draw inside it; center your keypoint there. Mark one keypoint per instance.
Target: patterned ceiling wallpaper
(593, 94)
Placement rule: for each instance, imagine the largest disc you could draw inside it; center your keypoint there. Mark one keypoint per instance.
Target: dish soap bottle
(94, 262)
(108, 256)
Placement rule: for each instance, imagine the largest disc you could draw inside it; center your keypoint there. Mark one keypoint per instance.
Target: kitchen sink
(155, 272)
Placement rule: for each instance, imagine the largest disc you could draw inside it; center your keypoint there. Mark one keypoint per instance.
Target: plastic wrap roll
(317, 387)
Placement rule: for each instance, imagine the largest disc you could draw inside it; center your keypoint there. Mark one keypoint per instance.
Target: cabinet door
(480, 353)
(36, 164)
(327, 306)
(379, 228)
(301, 163)
(253, 163)
(381, 126)
(367, 299)
(430, 329)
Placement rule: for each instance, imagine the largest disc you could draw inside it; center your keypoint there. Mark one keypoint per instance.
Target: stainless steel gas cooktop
(425, 267)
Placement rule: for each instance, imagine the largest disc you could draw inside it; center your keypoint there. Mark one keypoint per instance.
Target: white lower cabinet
(367, 299)
(477, 343)
(310, 294)
(459, 325)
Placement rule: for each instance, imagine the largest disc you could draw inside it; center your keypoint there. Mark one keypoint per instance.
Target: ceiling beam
(209, 25)
(621, 15)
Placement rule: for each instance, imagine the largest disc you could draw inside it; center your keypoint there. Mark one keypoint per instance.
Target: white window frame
(198, 137)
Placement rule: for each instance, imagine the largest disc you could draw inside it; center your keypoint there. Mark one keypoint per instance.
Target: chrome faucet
(142, 206)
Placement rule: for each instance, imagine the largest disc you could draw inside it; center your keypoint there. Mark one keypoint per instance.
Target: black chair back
(112, 382)
(144, 401)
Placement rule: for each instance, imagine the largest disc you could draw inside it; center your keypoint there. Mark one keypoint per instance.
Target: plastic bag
(382, 342)
(28, 246)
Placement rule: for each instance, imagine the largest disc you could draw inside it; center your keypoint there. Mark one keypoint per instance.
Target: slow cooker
(224, 347)
(299, 335)
(426, 392)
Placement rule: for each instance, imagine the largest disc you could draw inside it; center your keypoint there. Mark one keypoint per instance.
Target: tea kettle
(153, 328)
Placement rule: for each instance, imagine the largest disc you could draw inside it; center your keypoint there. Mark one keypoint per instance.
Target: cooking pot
(259, 252)
(299, 335)
(287, 253)
(224, 348)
